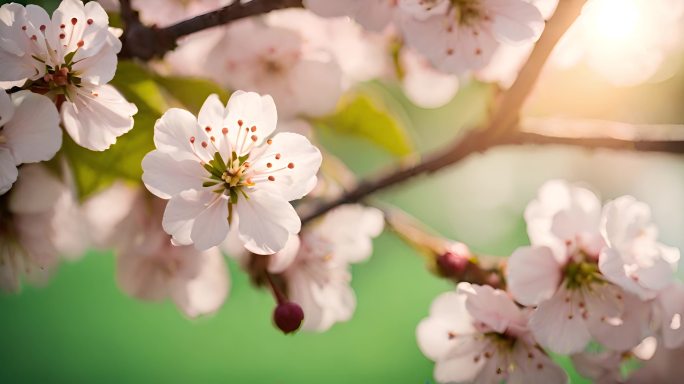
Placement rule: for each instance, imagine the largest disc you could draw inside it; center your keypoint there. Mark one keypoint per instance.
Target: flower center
(468, 12)
(580, 274)
(229, 177)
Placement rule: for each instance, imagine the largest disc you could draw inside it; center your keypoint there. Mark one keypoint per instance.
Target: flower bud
(454, 261)
(288, 316)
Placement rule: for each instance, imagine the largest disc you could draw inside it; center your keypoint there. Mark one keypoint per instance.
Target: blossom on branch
(29, 133)
(69, 58)
(222, 164)
(478, 334)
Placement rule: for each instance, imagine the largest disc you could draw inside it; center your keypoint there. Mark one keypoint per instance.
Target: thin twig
(662, 146)
(146, 43)
(503, 118)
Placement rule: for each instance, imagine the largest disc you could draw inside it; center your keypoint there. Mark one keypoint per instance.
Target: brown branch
(503, 118)
(662, 146)
(143, 42)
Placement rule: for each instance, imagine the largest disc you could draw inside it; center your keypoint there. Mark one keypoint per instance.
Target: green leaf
(94, 171)
(190, 92)
(363, 116)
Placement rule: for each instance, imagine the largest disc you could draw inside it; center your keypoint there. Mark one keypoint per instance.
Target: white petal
(33, 134)
(516, 21)
(211, 225)
(425, 86)
(288, 149)
(181, 212)
(557, 327)
(266, 222)
(253, 110)
(533, 274)
(625, 219)
(281, 260)
(173, 134)
(671, 303)
(317, 86)
(538, 369)
(37, 190)
(6, 108)
(350, 228)
(493, 307)
(95, 122)
(206, 290)
(613, 268)
(166, 177)
(8, 171)
(626, 331)
(461, 367)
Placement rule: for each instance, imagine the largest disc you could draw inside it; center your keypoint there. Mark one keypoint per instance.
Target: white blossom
(29, 133)
(374, 15)
(315, 265)
(478, 334)
(221, 165)
(71, 58)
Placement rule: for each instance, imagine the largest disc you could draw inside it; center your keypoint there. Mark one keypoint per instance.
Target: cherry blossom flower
(374, 15)
(164, 12)
(150, 268)
(633, 258)
(462, 36)
(29, 133)
(560, 275)
(222, 165)
(601, 368)
(478, 334)
(424, 85)
(32, 230)
(70, 58)
(271, 60)
(315, 265)
(670, 309)
(664, 367)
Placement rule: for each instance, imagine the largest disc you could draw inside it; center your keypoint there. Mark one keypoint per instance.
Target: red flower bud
(288, 316)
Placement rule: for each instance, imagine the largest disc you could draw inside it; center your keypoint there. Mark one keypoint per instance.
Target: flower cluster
(592, 273)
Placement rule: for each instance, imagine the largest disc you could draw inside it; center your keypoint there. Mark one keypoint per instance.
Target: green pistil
(469, 11)
(581, 274)
(228, 176)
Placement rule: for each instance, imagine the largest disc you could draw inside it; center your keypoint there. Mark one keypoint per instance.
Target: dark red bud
(288, 316)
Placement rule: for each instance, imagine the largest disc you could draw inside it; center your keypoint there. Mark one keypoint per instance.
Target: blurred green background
(81, 328)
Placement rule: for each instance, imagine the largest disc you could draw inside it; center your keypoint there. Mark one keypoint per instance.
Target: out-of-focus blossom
(32, 230)
(164, 12)
(70, 58)
(272, 60)
(315, 265)
(670, 306)
(459, 37)
(150, 268)
(374, 15)
(664, 367)
(560, 275)
(625, 41)
(602, 367)
(221, 165)
(423, 84)
(633, 258)
(29, 133)
(360, 55)
(478, 334)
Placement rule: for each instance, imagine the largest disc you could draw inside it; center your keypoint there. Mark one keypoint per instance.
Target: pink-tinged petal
(422, 10)
(533, 275)
(165, 177)
(602, 367)
(492, 307)
(477, 46)
(626, 331)
(252, 110)
(211, 225)
(661, 272)
(671, 303)
(175, 132)
(181, 212)
(614, 269)
(322, 98)
(558, 326)
(448, 319)
(266, 222)
(624, 219)
(323, 305)
(460, 364)
(281, 260)
(138, 275)
(293, 163)
(36, 191)
(206, 290)
(8, 170)
(33, 134)
(98, 69)
(534, 366)
(515, 22)
(105, 210)
(97, 117)
(424, 85)
(213, 113)
(350, 229)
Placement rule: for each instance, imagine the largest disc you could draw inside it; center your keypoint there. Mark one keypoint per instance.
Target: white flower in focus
(560, 275)
(271, 60)
(315, 265)
(478, 334)
(71, 58)
(31, 228)
(461, 36)
(374, 15)
(29, 133)
(150, 268)
(633, 258)
(221, 165)
(424, 85)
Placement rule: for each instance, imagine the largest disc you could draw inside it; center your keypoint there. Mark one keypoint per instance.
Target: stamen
(269, 165)
(62, 26)
(240, 123)
(254, 138)
(277, 156)
(271, 178)
(269, 141)
(90, 21)
(204, 144)
(42, 28)
(62, 36)
(192, 139)
(291, 165)
(253, 129)
(74, 21)
(80, 43)
(208, 129)
(23, 27)
(224, 131)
